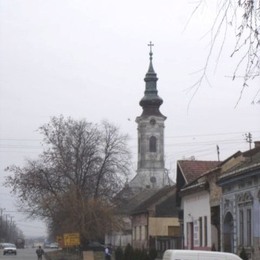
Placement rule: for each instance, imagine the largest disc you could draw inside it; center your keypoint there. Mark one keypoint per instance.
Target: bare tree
(71, 185)
(244, 17)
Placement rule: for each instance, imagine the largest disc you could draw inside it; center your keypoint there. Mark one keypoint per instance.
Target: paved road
(22, 254)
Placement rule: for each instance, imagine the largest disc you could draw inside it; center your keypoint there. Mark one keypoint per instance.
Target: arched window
(152, 144)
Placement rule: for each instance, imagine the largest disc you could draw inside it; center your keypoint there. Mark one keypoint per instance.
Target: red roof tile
(193, 169)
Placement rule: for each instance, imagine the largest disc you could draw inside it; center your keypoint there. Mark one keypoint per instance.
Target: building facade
(155, 221)
(196, 221)
(201, 199)
(240, 206)
(195, 204)
(188, 171)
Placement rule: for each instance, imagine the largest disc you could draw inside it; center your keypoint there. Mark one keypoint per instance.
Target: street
(22, 254)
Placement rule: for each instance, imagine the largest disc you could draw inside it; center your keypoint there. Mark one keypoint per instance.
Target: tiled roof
(192, 169)
(136, 200)
(251, 162)
(154, 198)
(144, 199)
(252, 153)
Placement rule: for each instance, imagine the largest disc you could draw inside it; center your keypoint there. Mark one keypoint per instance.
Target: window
(152, 121)
(249, 227)
(190, 235)
(241, 226)
(205, 231)
(245, 202)
(138, 233)
(152, 144)
(134, 233)
(143, 232)
(245, 227)
(200, 230)
(146, 232)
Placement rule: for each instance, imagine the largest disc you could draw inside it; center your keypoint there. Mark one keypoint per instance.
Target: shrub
(138, 254)
(119, 254)
(243, 254)
(152, 253)
(129, 253)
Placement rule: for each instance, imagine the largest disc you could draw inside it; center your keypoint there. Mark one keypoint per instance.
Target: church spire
(151, 101)
(151, 70)
(150, 171)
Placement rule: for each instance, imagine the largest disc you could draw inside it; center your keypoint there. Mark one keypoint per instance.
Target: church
(151, 172)
(147, 203)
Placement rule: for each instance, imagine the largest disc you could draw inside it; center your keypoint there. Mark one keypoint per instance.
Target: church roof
(151, 101)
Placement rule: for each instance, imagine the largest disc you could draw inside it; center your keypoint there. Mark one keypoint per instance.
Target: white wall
(195, 206)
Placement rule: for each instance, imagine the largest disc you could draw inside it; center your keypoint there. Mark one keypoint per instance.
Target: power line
(167, 137)
(214, 134)
(20, 139)
(194, 142)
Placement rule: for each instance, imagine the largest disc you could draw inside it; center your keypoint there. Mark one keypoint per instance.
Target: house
(193, 202)
(155, 222)
(240, 205)
(201, 205)
(150, 220)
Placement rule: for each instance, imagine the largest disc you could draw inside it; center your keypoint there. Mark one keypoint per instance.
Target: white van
(198, 255)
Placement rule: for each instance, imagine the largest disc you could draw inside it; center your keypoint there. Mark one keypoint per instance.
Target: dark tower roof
(151, 102)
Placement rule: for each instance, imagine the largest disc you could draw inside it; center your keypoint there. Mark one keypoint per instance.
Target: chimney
(257, 144)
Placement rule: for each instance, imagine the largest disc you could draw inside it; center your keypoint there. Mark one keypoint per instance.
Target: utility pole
(11, 229)
(218, 152)
(1, 223)
(6, 227)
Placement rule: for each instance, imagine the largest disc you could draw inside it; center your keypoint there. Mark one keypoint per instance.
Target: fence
(65, 255)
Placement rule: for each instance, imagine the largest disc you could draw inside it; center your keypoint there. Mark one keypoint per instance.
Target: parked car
(198, 255)
(95, 246)
(9, 249)
(54, 246)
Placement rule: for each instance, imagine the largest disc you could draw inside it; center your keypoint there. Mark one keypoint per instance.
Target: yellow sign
(71, 239)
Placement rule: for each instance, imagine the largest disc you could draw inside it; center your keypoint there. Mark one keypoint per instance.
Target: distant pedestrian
(108, 253)
(39, 252)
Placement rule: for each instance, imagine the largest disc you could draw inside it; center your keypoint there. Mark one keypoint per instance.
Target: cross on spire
(150, 44)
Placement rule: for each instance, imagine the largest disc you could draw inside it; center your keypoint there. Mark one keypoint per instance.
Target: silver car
(9, 249)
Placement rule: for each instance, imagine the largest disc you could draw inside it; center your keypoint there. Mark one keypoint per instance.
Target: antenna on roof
(249, 139)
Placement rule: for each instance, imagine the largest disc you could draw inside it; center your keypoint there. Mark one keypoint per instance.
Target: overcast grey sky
(87, 59)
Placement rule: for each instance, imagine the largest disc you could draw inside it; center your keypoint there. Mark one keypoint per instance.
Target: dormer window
(152, 144)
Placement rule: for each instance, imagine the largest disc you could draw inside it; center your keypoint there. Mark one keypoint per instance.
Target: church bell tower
(150, 126)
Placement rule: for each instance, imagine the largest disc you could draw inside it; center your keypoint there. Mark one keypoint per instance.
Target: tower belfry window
(152, 144)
